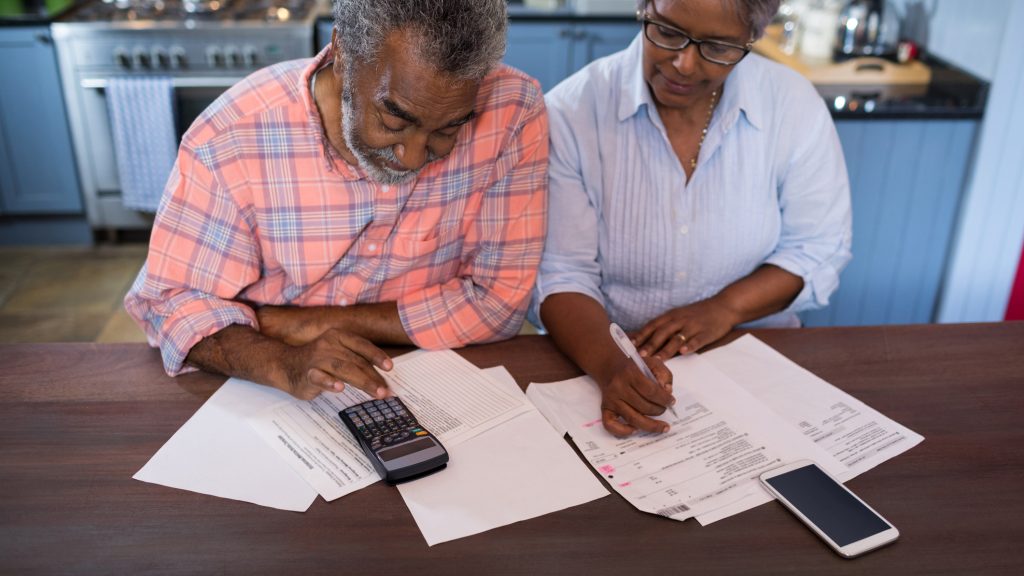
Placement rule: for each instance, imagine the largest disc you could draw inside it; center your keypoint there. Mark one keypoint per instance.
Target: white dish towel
(145, 140)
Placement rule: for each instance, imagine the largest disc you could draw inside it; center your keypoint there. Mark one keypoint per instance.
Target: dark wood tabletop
(78, 420)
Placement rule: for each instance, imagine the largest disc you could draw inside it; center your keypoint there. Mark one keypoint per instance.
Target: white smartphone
(830, 509)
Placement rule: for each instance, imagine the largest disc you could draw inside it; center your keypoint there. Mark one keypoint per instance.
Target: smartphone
(830, 509)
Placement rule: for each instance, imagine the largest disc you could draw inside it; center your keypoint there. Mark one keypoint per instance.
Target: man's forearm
(241, 352)
(379, 323)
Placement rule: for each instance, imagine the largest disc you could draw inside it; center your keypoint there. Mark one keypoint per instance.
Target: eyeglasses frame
(645, 20)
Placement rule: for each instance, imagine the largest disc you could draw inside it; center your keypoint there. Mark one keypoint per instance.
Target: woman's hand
(685, 329)
(628, 398)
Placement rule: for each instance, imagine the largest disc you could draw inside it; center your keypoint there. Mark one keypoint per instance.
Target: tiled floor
(68, 294)
(72, 294)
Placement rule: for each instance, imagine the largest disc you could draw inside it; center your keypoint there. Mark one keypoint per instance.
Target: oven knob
(121, 58)
(250, 56)
(141, 58)
(178, 59)
(232, 58)
(214, 57)
(160, 58)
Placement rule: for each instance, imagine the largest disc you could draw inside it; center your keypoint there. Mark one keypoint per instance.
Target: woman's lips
(681, 88)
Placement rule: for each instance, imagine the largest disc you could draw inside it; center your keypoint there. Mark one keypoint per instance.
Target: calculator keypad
(384, 422)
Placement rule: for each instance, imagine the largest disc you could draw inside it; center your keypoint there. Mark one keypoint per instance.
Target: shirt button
(684, 229)
(372, 247)
(680, 275)
(344, 302)
(386, 188)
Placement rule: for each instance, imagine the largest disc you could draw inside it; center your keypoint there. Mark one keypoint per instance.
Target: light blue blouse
(627, 229)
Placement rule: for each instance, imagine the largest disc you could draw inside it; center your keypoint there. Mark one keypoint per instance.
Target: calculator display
(405, 449)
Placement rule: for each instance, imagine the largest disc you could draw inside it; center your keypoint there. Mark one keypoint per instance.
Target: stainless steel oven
(204, 46)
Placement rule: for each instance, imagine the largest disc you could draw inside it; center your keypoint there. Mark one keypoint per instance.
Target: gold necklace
(704, 133)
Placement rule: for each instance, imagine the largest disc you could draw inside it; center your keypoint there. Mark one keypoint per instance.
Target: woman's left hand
(685, 329)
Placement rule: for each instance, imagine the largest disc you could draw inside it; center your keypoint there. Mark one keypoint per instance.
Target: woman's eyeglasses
(670, 38)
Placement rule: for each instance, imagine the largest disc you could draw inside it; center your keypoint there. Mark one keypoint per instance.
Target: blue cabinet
(37, 167)
(551, 50)
(906, 179)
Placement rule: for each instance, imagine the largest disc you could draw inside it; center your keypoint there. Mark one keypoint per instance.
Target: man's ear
(336, 53)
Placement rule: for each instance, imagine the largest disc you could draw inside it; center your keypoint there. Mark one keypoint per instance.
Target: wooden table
(77, 420)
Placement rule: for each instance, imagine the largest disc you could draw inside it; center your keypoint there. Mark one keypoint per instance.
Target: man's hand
(685, 329)
(329, 361)
(628, 398)
(290, 324)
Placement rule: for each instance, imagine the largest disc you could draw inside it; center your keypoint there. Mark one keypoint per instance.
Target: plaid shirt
(259, 209)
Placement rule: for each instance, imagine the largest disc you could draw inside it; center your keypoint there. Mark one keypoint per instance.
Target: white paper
(712, 456)
(518, 470)
(447, 395)
(216, 453)
(856, 434)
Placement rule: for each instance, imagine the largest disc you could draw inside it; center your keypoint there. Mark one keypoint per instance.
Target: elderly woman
(694, 187)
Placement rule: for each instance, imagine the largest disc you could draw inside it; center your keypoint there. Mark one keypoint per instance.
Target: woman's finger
(613, 424)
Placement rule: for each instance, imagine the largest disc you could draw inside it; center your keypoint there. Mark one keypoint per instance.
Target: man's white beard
(364, 154)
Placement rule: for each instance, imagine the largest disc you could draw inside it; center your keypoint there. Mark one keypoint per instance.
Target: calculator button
(421, 433)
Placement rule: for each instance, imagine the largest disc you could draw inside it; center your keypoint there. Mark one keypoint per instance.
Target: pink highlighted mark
(606, 469)
(624, 484)
(589, 424)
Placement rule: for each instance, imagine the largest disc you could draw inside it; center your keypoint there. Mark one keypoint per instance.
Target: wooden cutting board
(866, 70)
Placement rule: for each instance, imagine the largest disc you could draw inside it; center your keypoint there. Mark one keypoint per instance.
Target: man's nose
(412, 153)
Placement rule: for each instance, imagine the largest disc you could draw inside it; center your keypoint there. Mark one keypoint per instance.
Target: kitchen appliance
(204, 46)
(867, 28)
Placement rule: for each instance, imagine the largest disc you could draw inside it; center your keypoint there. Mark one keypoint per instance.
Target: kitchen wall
(987, 245)
(968, 33)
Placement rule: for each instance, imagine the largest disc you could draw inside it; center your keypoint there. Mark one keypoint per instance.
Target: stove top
(192, 11)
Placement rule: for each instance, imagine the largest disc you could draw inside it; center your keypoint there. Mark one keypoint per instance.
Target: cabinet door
(37, 167)
(541, 49)
(596, 40)
(906, 179)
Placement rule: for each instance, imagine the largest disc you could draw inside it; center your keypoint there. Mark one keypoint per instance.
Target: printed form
(712, 456)
(447, 394)
(743, 384)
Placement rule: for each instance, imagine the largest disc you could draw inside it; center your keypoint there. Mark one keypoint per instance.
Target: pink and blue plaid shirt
(259, 209)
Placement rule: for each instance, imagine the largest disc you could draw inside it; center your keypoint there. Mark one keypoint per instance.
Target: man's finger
(366, 349)
(322, 380)
(356, 371)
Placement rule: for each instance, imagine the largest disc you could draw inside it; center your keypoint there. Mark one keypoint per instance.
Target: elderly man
(392, 190)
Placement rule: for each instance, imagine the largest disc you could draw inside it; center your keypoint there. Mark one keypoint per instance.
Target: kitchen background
(934, 145)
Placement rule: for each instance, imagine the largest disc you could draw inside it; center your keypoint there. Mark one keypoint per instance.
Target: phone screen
(825, 503)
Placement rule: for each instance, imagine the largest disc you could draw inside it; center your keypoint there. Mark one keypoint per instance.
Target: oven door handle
(212, 82)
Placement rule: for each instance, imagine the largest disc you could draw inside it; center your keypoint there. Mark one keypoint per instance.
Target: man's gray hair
(463, 38)
(756, 14)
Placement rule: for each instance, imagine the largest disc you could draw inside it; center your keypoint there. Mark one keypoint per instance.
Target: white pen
(626, 345)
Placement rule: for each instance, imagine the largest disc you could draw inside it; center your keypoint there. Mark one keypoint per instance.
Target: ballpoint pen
(626, 345)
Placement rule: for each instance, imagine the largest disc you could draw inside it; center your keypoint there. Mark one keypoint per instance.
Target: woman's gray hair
(756, 14)
(463, 38)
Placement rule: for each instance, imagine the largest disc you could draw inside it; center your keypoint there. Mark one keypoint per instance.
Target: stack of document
(743, 409)
(253, 443)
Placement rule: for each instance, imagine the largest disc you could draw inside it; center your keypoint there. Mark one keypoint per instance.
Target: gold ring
(681, 336)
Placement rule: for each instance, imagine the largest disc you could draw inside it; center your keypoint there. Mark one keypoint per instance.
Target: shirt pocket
(414, 250)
